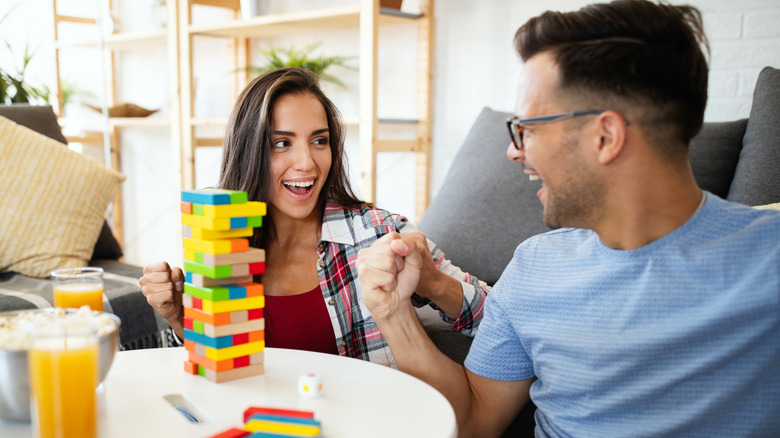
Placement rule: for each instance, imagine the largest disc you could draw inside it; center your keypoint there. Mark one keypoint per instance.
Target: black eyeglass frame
(514, 125)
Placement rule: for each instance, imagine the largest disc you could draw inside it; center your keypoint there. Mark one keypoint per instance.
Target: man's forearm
(416, 354)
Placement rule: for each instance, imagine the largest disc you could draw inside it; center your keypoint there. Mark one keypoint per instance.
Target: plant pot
(390, 4)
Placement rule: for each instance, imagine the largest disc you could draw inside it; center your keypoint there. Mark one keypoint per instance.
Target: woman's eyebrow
(315, 132)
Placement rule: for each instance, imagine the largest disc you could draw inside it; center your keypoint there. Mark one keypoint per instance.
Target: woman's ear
(612, 136)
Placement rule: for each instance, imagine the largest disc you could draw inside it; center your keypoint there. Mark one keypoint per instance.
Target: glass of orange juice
(63, 368)
(75, 287)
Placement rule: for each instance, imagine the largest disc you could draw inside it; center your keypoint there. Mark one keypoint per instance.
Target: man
(656, 311)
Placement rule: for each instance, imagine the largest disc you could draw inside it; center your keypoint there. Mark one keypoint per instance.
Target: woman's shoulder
(369, 216)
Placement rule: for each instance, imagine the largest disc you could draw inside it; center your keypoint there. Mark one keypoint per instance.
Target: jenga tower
(223, 308)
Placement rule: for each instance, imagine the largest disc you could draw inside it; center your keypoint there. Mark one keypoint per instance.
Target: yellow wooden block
(206, 234)
(251, 208)
(234, 351)
(212, 223)
(233, 305)
(216, 246)
(281, 427)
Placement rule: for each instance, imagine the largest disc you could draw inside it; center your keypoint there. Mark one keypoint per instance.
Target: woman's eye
(281, 143)
(321, 141)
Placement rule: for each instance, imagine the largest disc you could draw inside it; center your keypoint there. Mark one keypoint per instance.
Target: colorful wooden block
(186, 207)
(251, 208)
(221, 223)
(219, 319)
(190, 367)
(226, 364)
(292, 426)
(224, 329)
(224, 341)
(217, 246)
(224, 353)
(225, 271)
(232, 433)
(210, 306)
(225, 292)
(214, 196)
(203, 281)
(206, 234)
(236, 373)
(277, 412)
(252, 255)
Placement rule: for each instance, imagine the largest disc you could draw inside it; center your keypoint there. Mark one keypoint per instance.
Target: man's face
(571, 192)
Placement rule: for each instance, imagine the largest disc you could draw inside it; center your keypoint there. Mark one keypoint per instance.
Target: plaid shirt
(344, 233)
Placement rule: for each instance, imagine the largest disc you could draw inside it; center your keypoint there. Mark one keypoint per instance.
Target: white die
(310, 385)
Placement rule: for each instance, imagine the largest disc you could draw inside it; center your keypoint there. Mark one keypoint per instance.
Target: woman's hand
(162, 286)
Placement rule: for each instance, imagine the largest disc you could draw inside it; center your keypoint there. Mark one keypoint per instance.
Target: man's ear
(611, 130)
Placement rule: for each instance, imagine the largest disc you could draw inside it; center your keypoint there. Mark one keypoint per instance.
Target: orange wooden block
(239, 245)
(216, 365)
(257, 336)
(186, 207)
(253, 289)
(190, 367)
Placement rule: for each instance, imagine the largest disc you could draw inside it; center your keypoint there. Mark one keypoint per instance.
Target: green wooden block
(197, 209)
(237, 197)
(254, 221)
(215, 293)
(197, 326)
(201, 371)
(223, 271)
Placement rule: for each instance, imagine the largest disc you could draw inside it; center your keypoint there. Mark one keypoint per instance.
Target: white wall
(475, 66)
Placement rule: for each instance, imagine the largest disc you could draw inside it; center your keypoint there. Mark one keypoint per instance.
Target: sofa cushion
(757, 177)
(714, 153)
(486, 206)
(53, 202)
(41, 119)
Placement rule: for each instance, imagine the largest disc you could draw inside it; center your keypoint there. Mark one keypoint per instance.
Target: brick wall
(476, 65)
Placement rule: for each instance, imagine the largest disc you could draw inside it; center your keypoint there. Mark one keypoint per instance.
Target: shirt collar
(336, 226)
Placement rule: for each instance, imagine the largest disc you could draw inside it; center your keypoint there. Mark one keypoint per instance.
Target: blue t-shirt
(680, 337)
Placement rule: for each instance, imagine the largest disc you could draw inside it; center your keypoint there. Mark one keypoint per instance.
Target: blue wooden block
(198, 338)
(238, 222)
(214, 197)
(283, 419)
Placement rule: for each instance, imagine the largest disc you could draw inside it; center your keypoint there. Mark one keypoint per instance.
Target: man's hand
(162, 287)
(389, 271)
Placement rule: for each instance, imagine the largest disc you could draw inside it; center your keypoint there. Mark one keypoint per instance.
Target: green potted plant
(293, 57)
(14, 87)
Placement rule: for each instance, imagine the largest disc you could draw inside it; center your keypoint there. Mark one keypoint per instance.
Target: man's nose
(514, 154)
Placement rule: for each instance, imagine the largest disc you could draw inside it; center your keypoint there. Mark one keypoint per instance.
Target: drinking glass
(63, 365)
(75, 287)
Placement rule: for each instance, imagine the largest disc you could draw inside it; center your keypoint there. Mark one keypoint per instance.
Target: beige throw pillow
(775, 206)
(52, 203)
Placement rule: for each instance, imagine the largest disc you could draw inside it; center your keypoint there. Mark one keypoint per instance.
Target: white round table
(359, 399)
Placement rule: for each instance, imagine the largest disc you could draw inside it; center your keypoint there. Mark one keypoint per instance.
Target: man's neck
(635, 218)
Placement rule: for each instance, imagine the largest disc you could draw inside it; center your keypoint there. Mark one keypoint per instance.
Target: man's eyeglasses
(515, 125)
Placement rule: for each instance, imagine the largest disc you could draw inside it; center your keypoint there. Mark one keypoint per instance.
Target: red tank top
(299, 322)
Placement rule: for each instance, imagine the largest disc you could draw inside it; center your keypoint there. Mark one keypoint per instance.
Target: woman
(284, 145)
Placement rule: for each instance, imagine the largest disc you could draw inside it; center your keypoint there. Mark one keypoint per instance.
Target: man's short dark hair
(637, 56)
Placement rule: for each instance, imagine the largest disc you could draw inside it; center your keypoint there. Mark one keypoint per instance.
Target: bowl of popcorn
(15, 339)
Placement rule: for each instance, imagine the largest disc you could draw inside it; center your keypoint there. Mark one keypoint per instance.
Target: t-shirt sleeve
(497, 352)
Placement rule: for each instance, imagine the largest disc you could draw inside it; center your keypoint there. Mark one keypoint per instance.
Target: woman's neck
(289, 232)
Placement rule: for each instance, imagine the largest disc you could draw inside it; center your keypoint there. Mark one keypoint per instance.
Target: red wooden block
(232, 433)
(255, 313)
(241, 361)
(197, 303)
(188, 323)
(241, 338)
(280, 412)
(257, 268)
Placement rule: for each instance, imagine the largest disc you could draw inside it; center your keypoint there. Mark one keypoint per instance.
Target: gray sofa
(141, 327)
(487, 206)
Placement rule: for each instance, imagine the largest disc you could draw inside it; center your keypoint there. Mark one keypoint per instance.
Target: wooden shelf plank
(296, 23)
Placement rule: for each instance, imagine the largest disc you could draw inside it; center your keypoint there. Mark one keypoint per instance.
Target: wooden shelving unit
(367, 17)
(110, 128)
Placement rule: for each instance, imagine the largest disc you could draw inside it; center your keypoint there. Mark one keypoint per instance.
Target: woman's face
(300, 156)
